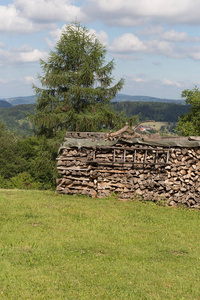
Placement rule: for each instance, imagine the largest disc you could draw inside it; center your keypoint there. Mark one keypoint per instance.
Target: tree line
(16, 118)
(157, 111)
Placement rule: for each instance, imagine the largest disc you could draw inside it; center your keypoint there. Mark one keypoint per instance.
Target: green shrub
(23, 181)
(3, 182)
(27, 162)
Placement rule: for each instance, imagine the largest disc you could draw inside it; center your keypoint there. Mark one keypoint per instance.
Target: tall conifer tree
(76, 85)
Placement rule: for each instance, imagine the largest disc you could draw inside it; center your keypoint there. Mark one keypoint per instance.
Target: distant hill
(20, 100)
(5, 104)
(118, 98)
(124, 97)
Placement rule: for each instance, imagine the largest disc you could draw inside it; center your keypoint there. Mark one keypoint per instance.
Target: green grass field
(157, 125)
(68, 247)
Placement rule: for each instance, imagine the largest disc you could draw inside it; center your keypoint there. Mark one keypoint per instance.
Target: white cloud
(127, 43)
(175, 36)
(29, 80)
(15, 86)
(31, 56)
(132, 12)
(169, 82)
(24, 54)
(126, 56)
(33, 15)
(102, 36)
(138, 79)
(55, 35)
(47, 11)
(194, 53)
(141, 84)
(25, 80)
(171, 35)
(159, 32)
(152, 30)
(168, 44)
(12, 21)
(3, 81)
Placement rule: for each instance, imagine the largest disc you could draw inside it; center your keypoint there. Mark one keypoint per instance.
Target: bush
(20, 181)
(4, 183)
(23, 181)
(27, 162)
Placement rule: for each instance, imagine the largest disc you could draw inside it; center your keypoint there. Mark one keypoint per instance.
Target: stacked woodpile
(182, 180)
(129, 169)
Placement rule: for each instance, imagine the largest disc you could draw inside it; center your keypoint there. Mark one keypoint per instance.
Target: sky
(155, 43)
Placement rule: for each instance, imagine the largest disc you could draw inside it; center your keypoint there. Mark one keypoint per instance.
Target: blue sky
(155, 43)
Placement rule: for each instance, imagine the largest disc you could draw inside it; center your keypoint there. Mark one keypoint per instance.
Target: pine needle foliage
(77, 85)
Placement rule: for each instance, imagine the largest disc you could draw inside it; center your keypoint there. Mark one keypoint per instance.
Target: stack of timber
(99, 165)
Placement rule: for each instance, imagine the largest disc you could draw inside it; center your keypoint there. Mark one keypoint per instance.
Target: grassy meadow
(74, 247)
(157, 125)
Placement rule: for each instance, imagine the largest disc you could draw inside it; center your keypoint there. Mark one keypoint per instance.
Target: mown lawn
(73, 247)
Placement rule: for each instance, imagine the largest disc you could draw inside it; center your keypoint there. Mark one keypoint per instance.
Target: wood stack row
(75, 173)
(152, 172)
(92, 172)
(182, 182)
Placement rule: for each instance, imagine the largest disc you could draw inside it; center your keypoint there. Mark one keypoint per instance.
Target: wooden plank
(73, 158)
(167, 159)
(118, 164)
(155, 158)
(134, 156)
(125, 128)
(78, 178)
(124, 156)
(145, 156)
(94, 155)
(116, 172)
(134, 148)
(120, 148)
(71, 169)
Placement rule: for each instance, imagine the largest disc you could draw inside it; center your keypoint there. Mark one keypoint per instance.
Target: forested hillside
(124, 97)
(5, 104)
(162, 112)
(15, 118)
